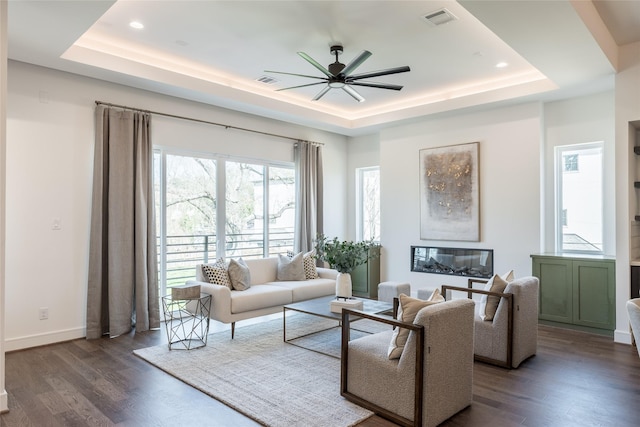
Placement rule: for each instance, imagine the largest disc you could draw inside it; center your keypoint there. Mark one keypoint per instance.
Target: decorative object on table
(338, 304)
(343, 256)
(185, 292)
(449, 193)
(187, 321)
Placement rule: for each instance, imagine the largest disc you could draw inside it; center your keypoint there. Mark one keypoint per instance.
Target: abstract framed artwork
(450, 193)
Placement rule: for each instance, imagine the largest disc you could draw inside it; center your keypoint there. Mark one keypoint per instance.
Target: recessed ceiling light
(136, 24)
(501, 65)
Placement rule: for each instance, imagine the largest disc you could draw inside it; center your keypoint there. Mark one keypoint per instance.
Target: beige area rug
(272, 382)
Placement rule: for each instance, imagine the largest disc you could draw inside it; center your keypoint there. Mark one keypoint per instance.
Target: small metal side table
(187, 321)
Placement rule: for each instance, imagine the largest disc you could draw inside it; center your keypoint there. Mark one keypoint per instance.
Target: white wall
(362, 152)
(576, 121)
(50, 120)
(627, 111)
(3, 114)
(509, 163)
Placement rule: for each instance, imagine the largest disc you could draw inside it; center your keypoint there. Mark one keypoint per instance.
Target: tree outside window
(368, 203)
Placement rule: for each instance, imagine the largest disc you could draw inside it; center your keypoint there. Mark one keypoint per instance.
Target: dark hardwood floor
(576, 379)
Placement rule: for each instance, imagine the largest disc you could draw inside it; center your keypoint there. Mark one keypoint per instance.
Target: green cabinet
(366, 277)
(576, 290)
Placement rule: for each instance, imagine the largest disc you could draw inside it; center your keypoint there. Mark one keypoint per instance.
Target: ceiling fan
(338, 75)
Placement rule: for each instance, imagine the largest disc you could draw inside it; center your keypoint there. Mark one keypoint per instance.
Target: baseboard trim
(4, 403)
(605, 332)
(21, 343)
(623, 337)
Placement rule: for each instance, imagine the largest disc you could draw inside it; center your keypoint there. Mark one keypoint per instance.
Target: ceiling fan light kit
(338, 75)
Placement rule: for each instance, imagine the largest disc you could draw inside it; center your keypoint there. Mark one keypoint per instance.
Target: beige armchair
(633, 309)
(431, 381)
(512, 336)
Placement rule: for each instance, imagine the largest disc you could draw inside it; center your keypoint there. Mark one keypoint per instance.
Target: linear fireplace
(452, 261)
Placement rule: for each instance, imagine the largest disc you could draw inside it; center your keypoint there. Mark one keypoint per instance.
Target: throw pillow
(290, 268)
(436, 296)
(309, 263)
(495, 284)
(509, 276)
(407, 311)
(217, 273)
(239, 275)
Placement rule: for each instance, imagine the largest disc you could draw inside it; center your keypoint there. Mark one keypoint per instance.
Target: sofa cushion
(258, 297)
(407, 311)
(290, 268)
(217, 273)
(308, 289)
(239, 275)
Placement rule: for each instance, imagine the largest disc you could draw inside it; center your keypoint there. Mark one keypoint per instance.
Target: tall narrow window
(189, 216)
(368, 203)
(282, 209)
(579, 206)
(244, 210)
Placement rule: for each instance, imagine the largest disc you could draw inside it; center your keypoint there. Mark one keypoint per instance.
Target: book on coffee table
(338, 304)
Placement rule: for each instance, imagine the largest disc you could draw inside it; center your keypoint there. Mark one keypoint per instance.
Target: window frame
(560, 212)
(360, 200)
(220, 160)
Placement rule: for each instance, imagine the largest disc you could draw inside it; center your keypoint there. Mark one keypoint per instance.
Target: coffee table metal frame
(321, 307)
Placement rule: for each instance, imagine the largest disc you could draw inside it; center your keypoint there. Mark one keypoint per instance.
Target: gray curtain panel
(309, 194)
(122, 282)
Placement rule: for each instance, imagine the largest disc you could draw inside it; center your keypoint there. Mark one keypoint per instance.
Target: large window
(210, 207)
(368, 203)
(579, 206)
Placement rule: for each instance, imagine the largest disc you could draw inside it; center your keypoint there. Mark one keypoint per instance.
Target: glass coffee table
(321, 308)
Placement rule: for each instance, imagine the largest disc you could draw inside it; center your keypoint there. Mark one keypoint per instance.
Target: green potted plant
(343, 256)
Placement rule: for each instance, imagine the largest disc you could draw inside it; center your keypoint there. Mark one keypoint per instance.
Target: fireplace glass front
(452, 261)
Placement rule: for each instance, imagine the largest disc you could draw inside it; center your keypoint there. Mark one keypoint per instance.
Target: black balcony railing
(185, 251)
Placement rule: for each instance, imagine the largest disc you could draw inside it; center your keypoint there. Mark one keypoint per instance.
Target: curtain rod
(108, 104)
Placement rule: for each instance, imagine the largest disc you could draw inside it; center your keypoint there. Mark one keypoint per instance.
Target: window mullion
(265, 210)
(163, 221)
(221, 214)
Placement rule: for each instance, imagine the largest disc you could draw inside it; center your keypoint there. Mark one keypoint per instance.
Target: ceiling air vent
(439, 17)
(267, 80)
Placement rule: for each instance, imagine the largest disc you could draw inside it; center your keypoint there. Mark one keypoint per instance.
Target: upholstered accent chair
(512, 335)
(431, 381)
(633, 309)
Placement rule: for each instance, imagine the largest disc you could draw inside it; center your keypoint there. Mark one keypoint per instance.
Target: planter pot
(343, 285)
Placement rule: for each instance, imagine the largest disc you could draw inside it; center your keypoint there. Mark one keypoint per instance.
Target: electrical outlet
(44, 313)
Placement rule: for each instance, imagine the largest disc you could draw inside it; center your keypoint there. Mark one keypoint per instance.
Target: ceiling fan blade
(378, 85)
(294, 74)
(321, 93)
(313, 62)
(296, 87)
(351, 91)
(379, 73)
(356, 62)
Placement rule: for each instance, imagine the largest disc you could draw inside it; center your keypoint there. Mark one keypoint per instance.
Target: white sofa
(267, 295)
